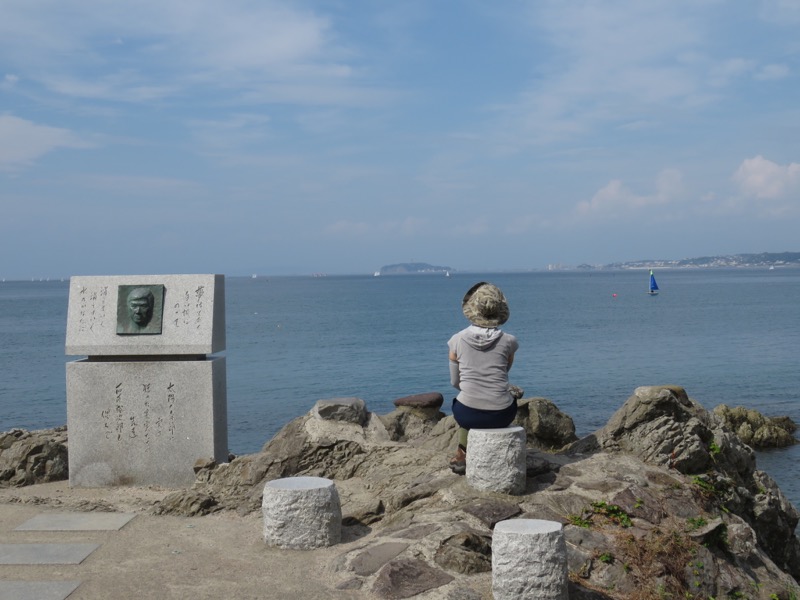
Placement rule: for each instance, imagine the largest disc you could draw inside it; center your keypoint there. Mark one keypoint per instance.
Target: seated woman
(480, 358)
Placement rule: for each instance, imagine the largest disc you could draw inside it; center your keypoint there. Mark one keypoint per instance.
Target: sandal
(458, 464)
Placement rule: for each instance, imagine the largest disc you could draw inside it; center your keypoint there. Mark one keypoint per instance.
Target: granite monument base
(144, 422)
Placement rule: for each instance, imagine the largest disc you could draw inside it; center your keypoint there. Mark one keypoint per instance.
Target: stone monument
(150, 398)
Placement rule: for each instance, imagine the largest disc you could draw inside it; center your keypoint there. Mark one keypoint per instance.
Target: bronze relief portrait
(140, 309)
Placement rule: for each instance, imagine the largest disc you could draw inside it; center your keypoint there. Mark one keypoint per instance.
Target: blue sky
(338, 136)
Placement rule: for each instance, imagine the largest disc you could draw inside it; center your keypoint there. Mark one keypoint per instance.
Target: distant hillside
(763, 259)
(412, 268)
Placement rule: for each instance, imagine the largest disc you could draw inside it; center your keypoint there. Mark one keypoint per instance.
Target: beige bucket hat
(485, 305)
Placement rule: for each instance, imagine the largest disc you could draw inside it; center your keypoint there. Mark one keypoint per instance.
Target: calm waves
(586, 341)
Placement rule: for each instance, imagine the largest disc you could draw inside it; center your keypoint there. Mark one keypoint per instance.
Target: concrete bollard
(496, 459)
(529, 560)
(301, 513)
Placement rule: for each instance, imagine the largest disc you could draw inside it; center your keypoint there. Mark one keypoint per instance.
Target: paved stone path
(27, 545)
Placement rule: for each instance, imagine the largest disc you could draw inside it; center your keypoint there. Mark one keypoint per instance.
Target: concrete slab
(37, 590)
(76, 522)
(45, 554)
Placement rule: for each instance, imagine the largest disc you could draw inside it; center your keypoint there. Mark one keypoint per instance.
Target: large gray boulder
(30, 457)
(662, 426)
(546, 427)
(757, 430)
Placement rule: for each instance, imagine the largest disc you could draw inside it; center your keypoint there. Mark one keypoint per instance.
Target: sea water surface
(587, 340)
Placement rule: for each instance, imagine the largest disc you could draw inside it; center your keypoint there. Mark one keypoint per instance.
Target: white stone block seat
(301, 513)
(496, 459)
(529, 560)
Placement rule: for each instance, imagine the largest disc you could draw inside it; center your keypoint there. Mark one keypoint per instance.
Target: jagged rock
(349, 410)
(663, 426)
(756, 430)
(406, 423)
(408, 577)
(188, 503)
(466, 553)
(489, 512)
(30, 457)
(546, 427)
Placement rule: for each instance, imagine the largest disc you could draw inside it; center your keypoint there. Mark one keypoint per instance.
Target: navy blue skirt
(475, 418)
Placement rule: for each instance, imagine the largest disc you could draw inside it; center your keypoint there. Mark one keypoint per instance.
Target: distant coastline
(763, 260)
(760, 260)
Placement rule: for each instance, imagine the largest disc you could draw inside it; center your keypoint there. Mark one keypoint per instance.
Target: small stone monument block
(146, 315)
(496, 459)
(144, 422)
(529, 560)
(301, 513)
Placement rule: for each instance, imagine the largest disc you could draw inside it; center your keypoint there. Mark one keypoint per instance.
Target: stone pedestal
(529, 560)
(301, 513)
(496, 459)
(144, 422)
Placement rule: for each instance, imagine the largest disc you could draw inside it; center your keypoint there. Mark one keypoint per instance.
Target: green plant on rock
(613, 512)
(606, 557)
(696, 523)
(714, 449)
(706, 487)
(580, 521)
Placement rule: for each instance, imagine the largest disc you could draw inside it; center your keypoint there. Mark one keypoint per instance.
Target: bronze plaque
(140, 309)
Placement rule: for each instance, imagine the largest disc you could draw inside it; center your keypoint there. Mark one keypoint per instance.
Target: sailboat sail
(653, 285)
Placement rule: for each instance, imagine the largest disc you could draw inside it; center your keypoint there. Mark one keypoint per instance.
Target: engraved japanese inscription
(140, 309)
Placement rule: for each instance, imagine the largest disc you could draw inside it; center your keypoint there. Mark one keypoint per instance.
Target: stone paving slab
(76, 522)
(37, 590)
(45, 554)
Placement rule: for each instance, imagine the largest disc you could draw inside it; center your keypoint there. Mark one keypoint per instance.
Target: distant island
(413, 268)
(760, 260)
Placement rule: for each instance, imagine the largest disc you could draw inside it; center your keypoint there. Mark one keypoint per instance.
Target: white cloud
(22, 142)
(761, 178)
(617, 200)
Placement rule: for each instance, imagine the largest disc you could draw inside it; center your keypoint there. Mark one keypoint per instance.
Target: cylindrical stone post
(301, 513)
(496, 459)
(529, 560)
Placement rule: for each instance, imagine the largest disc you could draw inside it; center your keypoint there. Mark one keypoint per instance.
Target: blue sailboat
(653, 291)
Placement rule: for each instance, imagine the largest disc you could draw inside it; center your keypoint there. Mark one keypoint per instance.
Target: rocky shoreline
(664, 501)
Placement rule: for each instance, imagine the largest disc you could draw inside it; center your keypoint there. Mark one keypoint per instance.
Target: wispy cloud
(22, 142)
(139, 51)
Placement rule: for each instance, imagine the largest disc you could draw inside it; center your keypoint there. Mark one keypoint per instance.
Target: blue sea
(587, 340)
